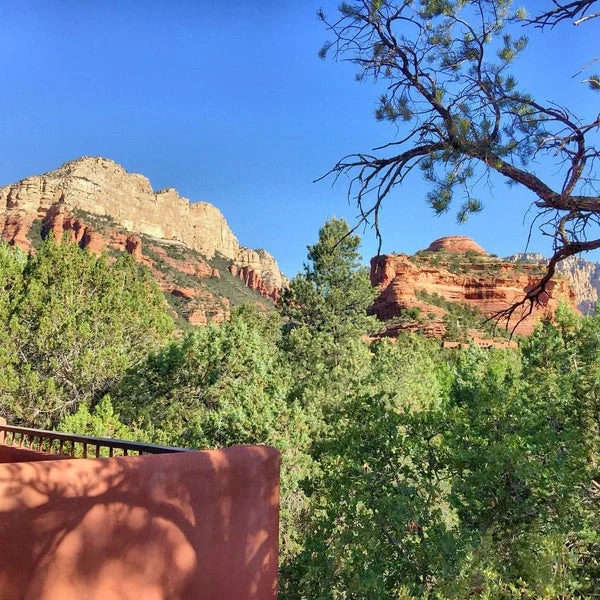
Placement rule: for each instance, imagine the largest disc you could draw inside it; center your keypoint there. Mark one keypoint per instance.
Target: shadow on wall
(189, 525)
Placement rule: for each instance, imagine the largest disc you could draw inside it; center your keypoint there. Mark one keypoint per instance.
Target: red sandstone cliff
(459, 271)
(100, 206)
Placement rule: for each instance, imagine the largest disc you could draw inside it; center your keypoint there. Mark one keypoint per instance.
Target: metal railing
(75, 446)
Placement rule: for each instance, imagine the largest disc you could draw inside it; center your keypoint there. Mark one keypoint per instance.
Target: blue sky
(229, 103)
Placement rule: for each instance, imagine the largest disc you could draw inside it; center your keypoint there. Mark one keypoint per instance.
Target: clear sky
(229, 103)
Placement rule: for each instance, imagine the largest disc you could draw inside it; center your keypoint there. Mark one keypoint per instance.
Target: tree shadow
(170, 526)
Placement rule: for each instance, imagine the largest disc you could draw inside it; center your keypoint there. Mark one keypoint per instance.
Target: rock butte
(490, 285)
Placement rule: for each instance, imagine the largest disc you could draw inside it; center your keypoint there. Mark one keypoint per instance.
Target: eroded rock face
(179, 237)
(489, 286)
(102, 187)
(14, 228)
(263, 265)
(583, 276)
(133, 246)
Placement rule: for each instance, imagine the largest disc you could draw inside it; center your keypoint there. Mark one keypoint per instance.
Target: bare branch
(538, 294)
(575, 11)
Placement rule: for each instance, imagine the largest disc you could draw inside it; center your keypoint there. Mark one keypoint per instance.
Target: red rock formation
(185, 293)
(207, 308)
(14, 229)
(255, 282)
(133, 246)
(456, 243)
(54, 224)
(203, 270)
(197, 317)
(92, 241)
(123, 204)
(59, 221)
(489, 285)
(100, 186)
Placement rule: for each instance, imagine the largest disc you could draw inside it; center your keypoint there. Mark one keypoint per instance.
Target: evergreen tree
(334, 292)
(76, 324)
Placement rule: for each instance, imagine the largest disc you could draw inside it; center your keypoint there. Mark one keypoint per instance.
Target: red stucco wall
(170, 526)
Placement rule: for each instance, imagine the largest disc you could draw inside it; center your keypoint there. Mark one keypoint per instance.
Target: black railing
(75, 446)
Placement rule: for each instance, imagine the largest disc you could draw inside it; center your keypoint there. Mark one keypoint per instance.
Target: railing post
(2, 432)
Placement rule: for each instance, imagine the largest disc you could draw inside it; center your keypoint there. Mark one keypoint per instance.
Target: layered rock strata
(583, 275)
(102, 187)
(489, 285)
(100, 206)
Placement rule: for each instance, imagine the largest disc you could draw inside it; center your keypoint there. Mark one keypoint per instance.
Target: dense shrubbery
(407, 472)
(70, 326)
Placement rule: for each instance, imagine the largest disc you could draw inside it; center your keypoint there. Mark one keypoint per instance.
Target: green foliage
(460, 318)
(233, 289)
(12, 263)
(101, 422)
(521, 471)
(334, 292)
(100, 223)
(74, 324)
(35, 234)
(208, 388)
(377, 523)
(460, 477)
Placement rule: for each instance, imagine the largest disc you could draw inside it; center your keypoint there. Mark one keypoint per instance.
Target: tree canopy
(461, 115)
(334, 291)
(70, 325)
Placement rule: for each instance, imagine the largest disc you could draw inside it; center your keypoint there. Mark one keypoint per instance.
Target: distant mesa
(456, 243)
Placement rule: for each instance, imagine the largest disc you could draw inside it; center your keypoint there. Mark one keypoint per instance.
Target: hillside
(189, 247)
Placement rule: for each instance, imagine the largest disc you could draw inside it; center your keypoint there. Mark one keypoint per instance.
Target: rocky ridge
(422, 291)
(188, 245)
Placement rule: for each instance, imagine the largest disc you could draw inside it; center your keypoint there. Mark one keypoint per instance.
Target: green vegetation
(225, 286)
(35, 233)
(334, 292)
(71, 325)
(459, 318)
(233, 288)
(408, 471)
